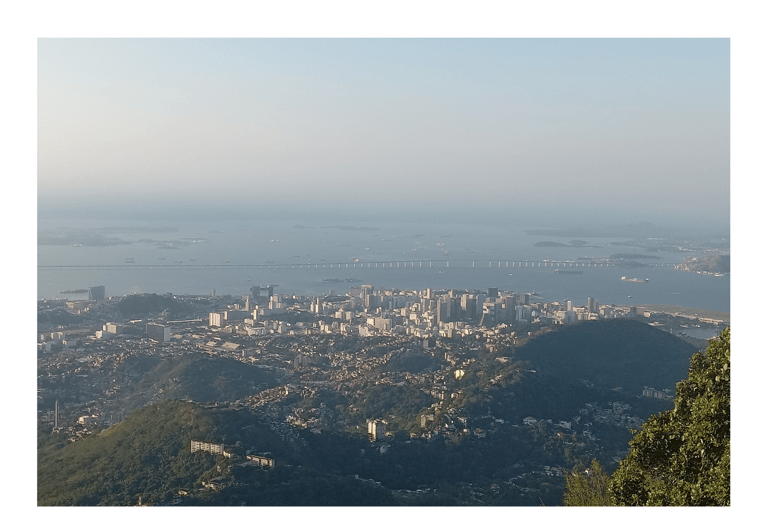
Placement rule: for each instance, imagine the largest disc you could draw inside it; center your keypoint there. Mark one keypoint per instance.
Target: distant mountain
(637, 230)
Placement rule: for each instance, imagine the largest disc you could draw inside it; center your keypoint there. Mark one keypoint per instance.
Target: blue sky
(636, 129)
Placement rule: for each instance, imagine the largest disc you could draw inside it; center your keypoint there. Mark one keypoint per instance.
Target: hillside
(719, 263)
(145, 455)
(611, 354)
(138, 305)
(147, 459)
(195, 377)
(486, 431)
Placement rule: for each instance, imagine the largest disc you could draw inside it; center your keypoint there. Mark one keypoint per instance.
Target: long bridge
(353, 264)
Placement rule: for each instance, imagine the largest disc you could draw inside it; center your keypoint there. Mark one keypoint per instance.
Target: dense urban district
(375, 397)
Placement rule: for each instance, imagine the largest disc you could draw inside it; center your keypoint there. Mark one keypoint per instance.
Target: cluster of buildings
(365, 311)
(245, 328)
(333, 340)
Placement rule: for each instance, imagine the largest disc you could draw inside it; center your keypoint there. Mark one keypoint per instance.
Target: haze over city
(527, 131)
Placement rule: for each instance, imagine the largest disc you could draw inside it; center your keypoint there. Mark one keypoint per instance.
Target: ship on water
(558, 271)
(634, 279)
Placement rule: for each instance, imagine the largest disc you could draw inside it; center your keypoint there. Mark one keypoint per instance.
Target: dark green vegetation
(611, 354)
(147, 455)
(683, 456)
(142, 305)
(58, 317)
(493, 435)
(142, 379)
(587, 487)
(680, 457)
(201, 378)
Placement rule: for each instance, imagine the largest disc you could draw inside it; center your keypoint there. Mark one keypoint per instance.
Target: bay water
(305, 258)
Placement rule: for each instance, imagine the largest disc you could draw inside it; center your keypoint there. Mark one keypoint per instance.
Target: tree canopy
(587, 488)
(682, 457)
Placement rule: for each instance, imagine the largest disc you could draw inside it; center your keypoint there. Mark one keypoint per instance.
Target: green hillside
(195, 377)
(148, 457)
(478, 439)
(136, 305)
(611, 354)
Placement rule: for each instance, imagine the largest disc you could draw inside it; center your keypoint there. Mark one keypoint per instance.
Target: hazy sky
(633, 128)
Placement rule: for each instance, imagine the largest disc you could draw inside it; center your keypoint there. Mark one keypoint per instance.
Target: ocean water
(299, 256)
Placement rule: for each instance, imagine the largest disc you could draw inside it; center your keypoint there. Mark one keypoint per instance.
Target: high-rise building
(371, 301)
(235, 315)
(469, 305)
(113, 328)
(377, 429)
(215, 319)
(158, 332)
(96, 293)
(444, 311)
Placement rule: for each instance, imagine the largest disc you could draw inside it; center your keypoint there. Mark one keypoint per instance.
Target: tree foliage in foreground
(588, 488)
(682, 457)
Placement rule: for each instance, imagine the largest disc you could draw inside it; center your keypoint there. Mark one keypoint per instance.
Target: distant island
(572, 243)
(352, 228)
(51, 237)
(716, 264)
(633, 256)
(642, 230)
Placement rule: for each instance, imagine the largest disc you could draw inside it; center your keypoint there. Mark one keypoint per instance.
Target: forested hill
(611, 354)
(197, 377)
(488, 432)
(147, 459)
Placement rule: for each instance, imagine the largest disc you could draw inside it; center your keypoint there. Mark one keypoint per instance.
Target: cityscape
(453, 325)
(383, 271)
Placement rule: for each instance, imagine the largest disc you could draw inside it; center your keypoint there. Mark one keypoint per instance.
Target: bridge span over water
(353, 264)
